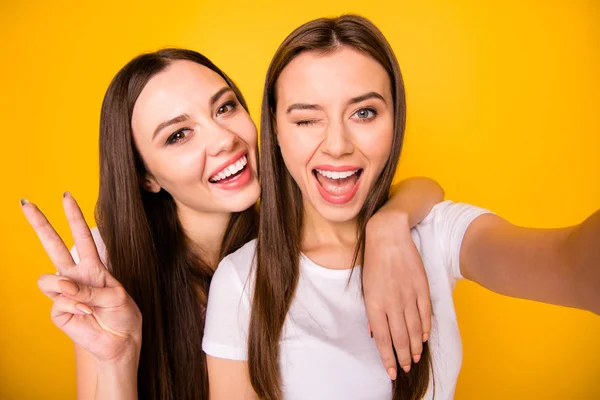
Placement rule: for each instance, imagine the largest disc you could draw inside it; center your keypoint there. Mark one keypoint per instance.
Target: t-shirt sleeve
(99, 245)
(451, 223)
(227, 315)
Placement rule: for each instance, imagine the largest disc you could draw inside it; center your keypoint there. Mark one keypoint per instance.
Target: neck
(205, 230)
(329, 243)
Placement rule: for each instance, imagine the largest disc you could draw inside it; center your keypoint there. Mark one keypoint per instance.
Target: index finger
(82, 236)
(51, 241)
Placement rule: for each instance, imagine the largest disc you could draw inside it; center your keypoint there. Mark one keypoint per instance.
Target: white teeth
(335, 174)
(230, 169)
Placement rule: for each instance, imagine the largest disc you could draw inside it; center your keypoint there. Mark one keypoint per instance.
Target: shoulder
(228, 309)
(236, 266)
(441, 232)
(451, 213)
(233, 276)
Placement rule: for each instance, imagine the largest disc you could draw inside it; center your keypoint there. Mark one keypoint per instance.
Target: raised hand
(90, 305)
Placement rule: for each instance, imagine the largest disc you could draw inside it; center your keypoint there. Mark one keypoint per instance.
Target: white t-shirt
(326, 351)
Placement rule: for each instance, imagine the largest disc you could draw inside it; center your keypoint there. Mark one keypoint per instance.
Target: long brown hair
(147, 249)
(279, 235)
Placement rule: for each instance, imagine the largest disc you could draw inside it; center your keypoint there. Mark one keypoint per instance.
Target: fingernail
(371, 334)
(83, 308)
(392, 373)
(417, 358)
(406, 368)
(65, 194)
(68, 287)
(425, 337)
(24, 201)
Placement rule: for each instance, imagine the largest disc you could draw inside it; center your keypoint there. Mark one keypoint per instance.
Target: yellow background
(504, 111)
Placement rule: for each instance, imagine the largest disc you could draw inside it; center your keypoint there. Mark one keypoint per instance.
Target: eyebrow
(366, 96)
(215, 97)
(303, 106)
(172, 121)
(354, 100)
(184, 117)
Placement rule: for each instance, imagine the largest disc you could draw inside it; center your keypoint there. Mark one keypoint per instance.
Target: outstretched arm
(557, 266)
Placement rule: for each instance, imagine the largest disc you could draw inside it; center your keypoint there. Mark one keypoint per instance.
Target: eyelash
(309, 122)
(171, 139)
(369, 109)
(231, 103)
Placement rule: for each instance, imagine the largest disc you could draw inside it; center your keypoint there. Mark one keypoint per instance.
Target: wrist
(389, 220)
(130, 355)
(117, 378)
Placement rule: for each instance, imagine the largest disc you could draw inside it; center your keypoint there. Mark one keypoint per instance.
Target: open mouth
(230, 172)
(337, 187)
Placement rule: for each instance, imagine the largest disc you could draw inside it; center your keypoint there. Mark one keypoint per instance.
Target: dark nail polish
(24, 201)
(65, 194)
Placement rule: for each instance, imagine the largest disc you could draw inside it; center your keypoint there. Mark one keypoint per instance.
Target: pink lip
(341, 168)
(228, 163)
(237, 182)
(330, 198)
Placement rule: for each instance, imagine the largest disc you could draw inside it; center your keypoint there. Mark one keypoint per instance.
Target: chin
(337, 213)
(244, 201)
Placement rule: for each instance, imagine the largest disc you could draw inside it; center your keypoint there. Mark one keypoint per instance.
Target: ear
(150, 184)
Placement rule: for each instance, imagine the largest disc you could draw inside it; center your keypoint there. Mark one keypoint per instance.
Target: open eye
(179, 135)
(228, 107)
(365, 114)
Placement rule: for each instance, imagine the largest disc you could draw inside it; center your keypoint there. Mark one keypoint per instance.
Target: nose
(222, 140)
(336, 142)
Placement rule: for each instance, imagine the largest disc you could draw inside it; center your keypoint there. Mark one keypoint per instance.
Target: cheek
(297, 150)
(377, 144)
(178, 169)
(246, 130)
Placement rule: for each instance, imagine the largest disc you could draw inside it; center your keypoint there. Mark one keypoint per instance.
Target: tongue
(337, 187)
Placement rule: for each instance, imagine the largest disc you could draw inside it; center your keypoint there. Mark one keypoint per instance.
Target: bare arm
(557, 266)
(414, 198)
(394, 281)
(105, 381)
(229, 379)
(86, 373)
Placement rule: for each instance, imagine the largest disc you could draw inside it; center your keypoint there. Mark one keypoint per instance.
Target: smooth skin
(558, 266)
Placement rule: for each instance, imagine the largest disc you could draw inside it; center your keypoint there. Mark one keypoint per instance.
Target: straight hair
(281, 217)
(147, 249)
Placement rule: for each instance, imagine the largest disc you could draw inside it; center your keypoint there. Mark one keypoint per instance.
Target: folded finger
(104, 297)
(64, 309)
(48, 284)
